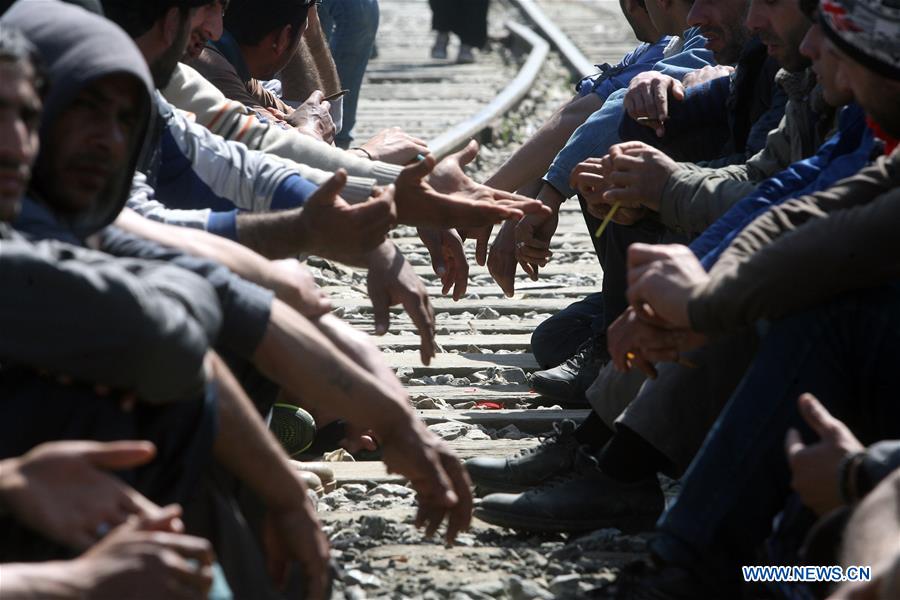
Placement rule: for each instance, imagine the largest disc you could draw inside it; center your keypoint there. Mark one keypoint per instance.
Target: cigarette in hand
(606, 220)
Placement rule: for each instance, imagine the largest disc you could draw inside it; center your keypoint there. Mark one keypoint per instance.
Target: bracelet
(847, 477)
(364, 151)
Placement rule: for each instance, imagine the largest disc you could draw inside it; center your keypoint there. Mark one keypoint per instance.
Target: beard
(163, 68)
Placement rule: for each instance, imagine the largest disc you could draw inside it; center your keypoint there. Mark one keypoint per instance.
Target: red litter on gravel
(486, 405)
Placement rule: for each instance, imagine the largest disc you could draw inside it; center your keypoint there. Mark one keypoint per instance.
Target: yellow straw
(609, 216)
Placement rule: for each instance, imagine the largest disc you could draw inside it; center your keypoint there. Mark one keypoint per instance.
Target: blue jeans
(351, 27)
(845, 353)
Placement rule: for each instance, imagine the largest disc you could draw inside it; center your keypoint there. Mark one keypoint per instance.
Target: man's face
(780, 25)
(206, 25)
(163, 67)
(825, 66)
(878, 96)
(722, 23)
(20, 109)
(89, 143)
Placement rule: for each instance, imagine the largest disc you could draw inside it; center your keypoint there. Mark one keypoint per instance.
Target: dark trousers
(557, 338)
(465, 18)
(846, 353)
(34, 410)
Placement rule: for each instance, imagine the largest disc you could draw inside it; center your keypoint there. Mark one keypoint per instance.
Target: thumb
(329, 191)
(381, 310)
(114, 456)
(792, 443)
(468, 154)
(316, 97)
(677, 90)
(818, 417)
(423, 168)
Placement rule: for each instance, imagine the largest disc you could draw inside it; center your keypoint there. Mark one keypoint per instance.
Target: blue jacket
(845, 153)
(601, 130)
(726, 120)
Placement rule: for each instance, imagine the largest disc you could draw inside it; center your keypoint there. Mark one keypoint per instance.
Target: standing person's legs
(351, 27)
(472, 26)
(442, 20)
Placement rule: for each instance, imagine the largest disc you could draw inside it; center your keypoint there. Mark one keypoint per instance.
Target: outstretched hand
(448, 258)
(390, 281)
(449, 199)
(442, 485)
(332, 228)
(449, 177)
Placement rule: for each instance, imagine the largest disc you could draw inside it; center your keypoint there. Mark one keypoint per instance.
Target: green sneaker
(293, 427)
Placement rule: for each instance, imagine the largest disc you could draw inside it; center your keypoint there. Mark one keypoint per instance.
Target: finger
(818, 417)
(627, 197)
(528, 268)
(461, 514)
(660, 101)
(186, 546)
(381, 310)
(422, 315)
(793, 444)
(457, 256)
(160, 519)
(422, 169)
(677, 90)
(588, 182)
(481, 245)
(118, 455)
(315, 98)
(534, 255)
(644, 365)
(639, 254)
(196, 577)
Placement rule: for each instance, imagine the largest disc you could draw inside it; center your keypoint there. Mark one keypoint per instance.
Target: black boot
(583, 500)
(529, 468)
(568, 382)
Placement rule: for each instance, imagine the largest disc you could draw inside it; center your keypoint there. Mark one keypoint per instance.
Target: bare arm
(531, 161)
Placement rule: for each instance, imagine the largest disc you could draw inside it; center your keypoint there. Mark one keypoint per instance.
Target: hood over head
(78, 48)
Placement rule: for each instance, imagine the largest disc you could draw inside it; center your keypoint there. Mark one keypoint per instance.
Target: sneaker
(465, 56)
(293, 427)
(585, 499)
(567, 383)
(529, 468)
(439, 50)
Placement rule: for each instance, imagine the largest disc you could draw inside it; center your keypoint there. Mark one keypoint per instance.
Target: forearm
(358, 346)
(273, 235)
(246, 448)
(532, 159)
(325, 377)
(235, 257)
(285, 234)
(320, 55)
(39, 581)
(301, 77)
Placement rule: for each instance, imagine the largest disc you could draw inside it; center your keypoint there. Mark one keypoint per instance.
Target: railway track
(484, 338)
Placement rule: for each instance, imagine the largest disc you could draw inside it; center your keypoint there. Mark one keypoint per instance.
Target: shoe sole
(626, 524)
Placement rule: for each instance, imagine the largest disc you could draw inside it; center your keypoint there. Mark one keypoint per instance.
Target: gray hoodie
(96, 49)
(129, 324)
